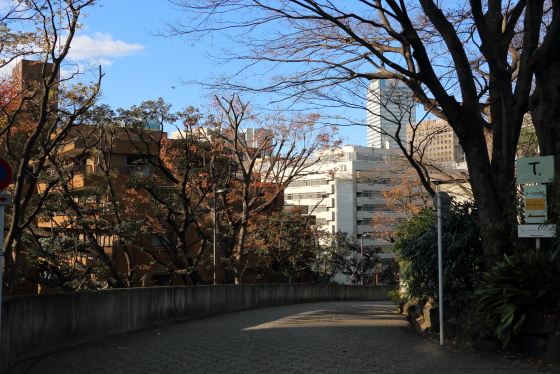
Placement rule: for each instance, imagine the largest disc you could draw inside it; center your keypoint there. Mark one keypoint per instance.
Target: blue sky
(139, 66)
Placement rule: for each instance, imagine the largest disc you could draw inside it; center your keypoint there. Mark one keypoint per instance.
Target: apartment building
(390, 109)
(87, 170)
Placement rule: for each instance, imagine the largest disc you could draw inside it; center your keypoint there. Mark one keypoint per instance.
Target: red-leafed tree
(38, 114)
(269, 152)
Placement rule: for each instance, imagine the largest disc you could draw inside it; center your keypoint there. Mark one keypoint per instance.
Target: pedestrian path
(333, 337)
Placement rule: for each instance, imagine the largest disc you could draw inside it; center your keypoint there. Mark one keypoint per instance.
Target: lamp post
(216, 193)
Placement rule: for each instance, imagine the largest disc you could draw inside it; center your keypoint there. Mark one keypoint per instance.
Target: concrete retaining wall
(34, 325)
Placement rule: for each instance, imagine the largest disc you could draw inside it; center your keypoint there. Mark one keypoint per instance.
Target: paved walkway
(334, 337)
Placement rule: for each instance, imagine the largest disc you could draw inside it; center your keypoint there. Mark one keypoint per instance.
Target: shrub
(416, 247)
(522, 282)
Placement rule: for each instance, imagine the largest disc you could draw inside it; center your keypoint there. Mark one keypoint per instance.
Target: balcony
(144, 170)
(48, 222)
(78, 174)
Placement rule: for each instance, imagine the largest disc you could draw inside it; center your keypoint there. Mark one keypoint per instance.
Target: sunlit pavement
(334, 337)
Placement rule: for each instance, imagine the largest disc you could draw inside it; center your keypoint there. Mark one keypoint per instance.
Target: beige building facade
(435, 140)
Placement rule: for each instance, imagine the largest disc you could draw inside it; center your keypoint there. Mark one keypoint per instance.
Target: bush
(416, 248)
(522, 282)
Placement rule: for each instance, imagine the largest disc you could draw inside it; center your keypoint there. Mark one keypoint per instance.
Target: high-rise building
(390, 108)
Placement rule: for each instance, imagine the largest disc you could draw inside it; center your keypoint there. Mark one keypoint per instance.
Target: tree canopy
(481, 66)
(37, 109)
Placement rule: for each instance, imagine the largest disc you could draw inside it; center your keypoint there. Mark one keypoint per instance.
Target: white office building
(390, 106)
(345, 194)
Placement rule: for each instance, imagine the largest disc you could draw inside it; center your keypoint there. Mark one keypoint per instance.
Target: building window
(305, 195)
(138, 165)
(309, 182)
(321, 221)
(374, 208)
(160, 241)
(371, 194)
(365, 222)
(319, 209)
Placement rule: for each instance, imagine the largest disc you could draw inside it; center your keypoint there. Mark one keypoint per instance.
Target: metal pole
(214, 237)
(440, 270)
(362, 260)
(1, 264)
(538, 244)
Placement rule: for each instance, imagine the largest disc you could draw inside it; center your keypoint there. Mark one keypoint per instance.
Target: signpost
(533, 170)
(5, 199)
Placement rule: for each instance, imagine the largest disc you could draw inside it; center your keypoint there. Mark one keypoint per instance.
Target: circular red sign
(5, 174)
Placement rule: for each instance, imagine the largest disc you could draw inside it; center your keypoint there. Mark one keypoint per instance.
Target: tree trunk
(240, 254)
(545, 109)
(495, 232)
(195, 278)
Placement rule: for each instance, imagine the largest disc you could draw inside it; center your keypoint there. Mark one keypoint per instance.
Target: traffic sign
(5, 199)
(5, 174)
(535, 169)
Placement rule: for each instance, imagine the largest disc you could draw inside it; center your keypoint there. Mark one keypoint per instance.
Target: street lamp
(216, 193)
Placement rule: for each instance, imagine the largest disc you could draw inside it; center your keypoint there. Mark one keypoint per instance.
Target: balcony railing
(79, 169)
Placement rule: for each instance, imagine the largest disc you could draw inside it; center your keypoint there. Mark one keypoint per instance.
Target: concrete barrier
(35, 325)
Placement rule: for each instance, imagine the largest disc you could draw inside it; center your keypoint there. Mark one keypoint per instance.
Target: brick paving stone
(334, 337)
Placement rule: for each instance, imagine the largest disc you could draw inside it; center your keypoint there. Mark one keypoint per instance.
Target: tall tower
(390, 108)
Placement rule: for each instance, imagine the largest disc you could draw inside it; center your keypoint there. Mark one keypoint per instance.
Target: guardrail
(35, 325)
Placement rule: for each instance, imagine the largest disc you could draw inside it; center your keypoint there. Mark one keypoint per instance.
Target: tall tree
(81, 222)
(231, 147)
(185, 171)
(269, 153)
(471, 65)
(47, 107)
(283, 246)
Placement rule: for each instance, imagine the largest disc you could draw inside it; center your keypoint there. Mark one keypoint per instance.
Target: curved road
(334, 337)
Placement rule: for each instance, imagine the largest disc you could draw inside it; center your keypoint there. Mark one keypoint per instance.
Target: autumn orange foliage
(405, 197)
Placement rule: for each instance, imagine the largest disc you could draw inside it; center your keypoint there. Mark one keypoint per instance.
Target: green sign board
(535, 169)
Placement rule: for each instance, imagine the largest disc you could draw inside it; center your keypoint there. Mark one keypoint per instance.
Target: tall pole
(362, 260)
(5, 199)
(1, 263)
(214, 236)
(440, 269)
